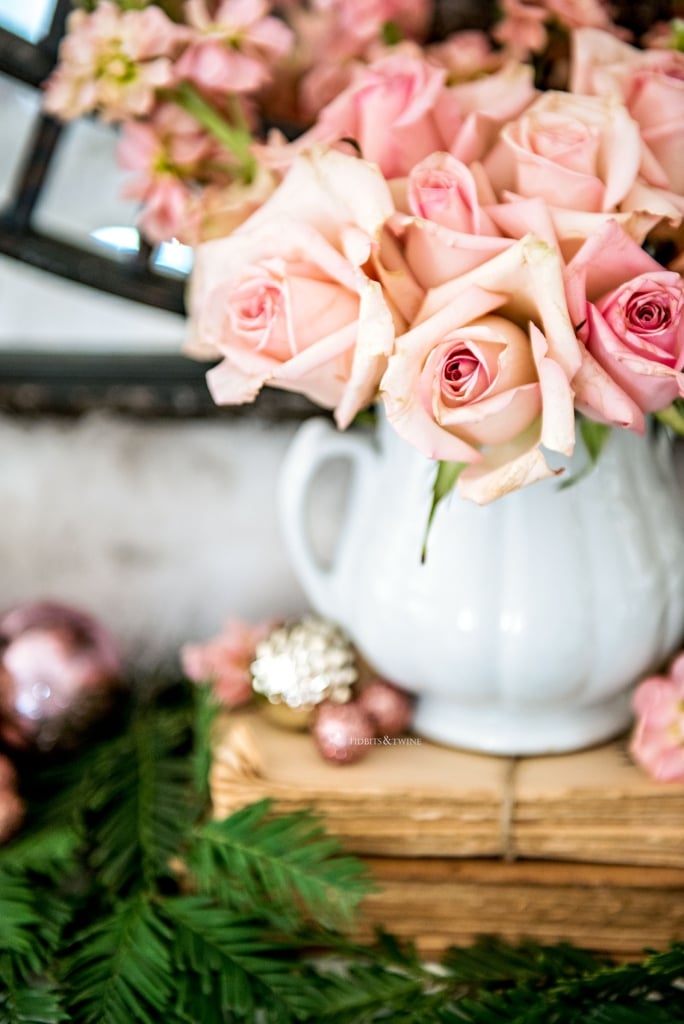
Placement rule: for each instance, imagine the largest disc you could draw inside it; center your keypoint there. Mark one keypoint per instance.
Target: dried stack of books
(581, 847)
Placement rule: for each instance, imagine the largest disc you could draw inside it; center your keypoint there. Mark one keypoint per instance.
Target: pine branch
(50, 851)
(235, 965)
(140, 804)
(371, 992)
(649, 993)
(121, 970)
(18, 916)
(206, 711)
(282, 864)
(491, 962)
(28, 1002)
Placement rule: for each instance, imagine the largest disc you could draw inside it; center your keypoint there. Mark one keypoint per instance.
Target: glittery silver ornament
(389, 708)
(59, 669)
(304, 662)
(343, 733)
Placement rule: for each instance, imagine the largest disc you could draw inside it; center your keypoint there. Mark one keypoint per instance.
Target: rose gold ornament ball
(389, 708)
(343, 733)
(11, 807)
(59, 669)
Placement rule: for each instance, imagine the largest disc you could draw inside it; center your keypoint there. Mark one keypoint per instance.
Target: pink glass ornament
(59, 668)
(389, 708)
(343, 733)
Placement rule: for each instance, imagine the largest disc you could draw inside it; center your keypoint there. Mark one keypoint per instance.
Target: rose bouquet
(482, 233)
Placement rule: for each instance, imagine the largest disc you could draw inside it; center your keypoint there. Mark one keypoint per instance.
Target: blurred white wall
(164, 529)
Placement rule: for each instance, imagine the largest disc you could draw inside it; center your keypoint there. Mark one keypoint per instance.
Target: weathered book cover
(581, 848)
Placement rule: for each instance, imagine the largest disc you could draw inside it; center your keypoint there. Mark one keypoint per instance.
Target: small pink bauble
(389, 708)
(343, 733)
(11, 807)
(59, 668)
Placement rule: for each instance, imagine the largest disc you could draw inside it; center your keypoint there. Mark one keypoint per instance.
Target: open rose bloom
(474, 264)
(481, 258)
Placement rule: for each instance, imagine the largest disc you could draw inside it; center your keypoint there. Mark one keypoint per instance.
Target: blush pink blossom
(224, 661)
(399, 109)
(113, 62)
(575, 152)
(390, 111)
(447, 230)
(333, 36)
(165, 154)
(490, 100)
(364, 19)
(651, 85)
(465, 56)
(574, 14)
(233, 50)
(466, 383)
(658, 740)
(630, 313)
(522, 29)
(286, 299)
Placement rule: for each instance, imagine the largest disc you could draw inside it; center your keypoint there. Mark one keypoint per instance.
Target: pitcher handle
(315, 443)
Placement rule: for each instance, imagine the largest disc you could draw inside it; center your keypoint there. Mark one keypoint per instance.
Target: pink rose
(492, 98)
(399, 109)
(448, 231)
(225, 660)
(285, 299)
(467, 383)
(389, 110)
(658, 740)
(443, 190)
(651, 85)
(631, 316)
(575, 152)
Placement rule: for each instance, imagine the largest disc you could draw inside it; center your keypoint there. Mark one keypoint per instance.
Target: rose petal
(374, 343)
(504, 469)
(600, 398)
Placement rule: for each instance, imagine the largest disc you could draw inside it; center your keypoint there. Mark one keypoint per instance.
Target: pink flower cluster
(474, 259)
(182, 93)
(658, 740)
(224, 661)
(224, 62)
(444, 238)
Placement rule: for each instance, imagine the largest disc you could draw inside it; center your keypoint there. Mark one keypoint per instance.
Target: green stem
(236, 139)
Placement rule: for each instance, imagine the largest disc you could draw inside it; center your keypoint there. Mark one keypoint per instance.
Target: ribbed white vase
(529, 621)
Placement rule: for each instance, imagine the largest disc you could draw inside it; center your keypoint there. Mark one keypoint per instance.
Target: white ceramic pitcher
(530, 619)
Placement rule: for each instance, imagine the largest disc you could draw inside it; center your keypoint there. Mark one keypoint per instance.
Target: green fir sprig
(122, 902)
